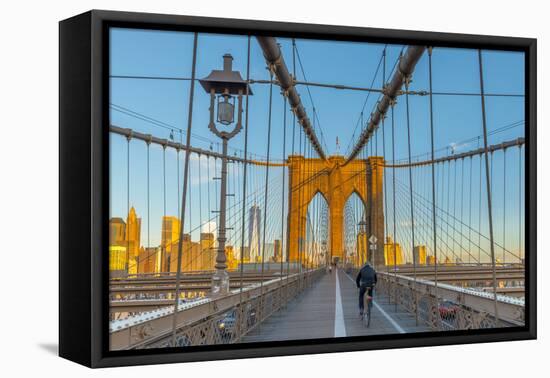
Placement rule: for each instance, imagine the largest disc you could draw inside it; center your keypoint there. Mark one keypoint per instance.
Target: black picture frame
(84, 185)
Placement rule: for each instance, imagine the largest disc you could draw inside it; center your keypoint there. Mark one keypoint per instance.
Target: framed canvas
(236, 188)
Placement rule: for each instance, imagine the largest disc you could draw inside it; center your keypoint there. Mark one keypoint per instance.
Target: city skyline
(130, 253)
(457, 122)
(406, 161)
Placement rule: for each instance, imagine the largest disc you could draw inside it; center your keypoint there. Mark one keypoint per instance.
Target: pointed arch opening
(355, 231)
(314, 251)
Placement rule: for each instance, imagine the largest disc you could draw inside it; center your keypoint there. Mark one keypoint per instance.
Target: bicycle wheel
(366, 311)
(369, 306)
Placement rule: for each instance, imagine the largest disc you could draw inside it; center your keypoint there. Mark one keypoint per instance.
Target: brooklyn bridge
(242, 225)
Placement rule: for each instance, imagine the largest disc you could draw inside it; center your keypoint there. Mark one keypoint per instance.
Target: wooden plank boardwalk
(330, 309)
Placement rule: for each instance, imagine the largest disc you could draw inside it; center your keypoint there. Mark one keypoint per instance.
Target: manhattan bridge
(442, 225)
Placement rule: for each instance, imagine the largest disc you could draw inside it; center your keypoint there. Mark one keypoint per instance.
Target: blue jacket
(366, 276)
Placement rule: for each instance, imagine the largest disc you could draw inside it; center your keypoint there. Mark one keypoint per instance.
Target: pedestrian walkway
(330, 309)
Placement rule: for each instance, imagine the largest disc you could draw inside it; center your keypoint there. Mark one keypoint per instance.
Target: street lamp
(363, 230)
(325, 251)
(225, 85)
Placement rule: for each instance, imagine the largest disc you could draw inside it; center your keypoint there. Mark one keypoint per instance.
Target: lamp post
(363, 232)
(325, 252)
(223, 86)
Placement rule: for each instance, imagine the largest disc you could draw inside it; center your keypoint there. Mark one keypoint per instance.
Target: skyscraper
(254, 241)
(419, 254)
(392, 252)
(208, 251)
(117, 247)
(133, 240)
(277, 256)
(170, 235)
(117, 231)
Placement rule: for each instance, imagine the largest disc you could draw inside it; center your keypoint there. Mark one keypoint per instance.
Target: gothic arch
(335, 181)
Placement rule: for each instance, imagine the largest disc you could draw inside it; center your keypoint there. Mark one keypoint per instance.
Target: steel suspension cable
(266, 187)
(200, 198)
(245, 171)
(283, 189)
(148, 205)
(185, 182)
(454, 202)
(488, 182)
(128, 205)
(479, 207)
(504, 210)
(178, 178)
(384, 154)
(394, 246)
(432, 148)
(470, 205)
(407, 82)
(519, 204)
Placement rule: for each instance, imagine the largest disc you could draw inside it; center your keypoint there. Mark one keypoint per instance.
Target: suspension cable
(504, 210)
(488, 182)
(283, 190)
(245, 172)
(394, 247)
(434, 198)
(185, 183)
(519, 203)
(128, 205)
(266, 187)
(470, 205)
(407, 81)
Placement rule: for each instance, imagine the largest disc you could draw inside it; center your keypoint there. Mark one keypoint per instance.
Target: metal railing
(210, 321)
(447, 307)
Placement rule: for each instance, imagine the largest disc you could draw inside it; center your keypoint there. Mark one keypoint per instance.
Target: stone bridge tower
(336, 182)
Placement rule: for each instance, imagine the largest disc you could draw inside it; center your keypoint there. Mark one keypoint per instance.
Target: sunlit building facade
(133, 240)
(169, 237)
(392, 252)
(419, 254)
(254, 240)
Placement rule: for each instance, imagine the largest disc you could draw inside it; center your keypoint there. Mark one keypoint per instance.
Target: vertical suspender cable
(264, 227)
(384, 154)
(488, 182)
(448, 212)
(128, 205)
(462, 204)
(519, 203)
(504, 209)
(411, 197)
(454, 208)
(290, 204)
(479, 211)
(148, 205)
(293, 78)
(243, 213)
(434, 199)
(283, 190)
(178, 177)
(470, 211)
(185, 182)
(394, 246)
(209, 179)
(193, 268)
(164, 195)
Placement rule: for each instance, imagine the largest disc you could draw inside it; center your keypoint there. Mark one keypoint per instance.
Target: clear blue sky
(169, 54)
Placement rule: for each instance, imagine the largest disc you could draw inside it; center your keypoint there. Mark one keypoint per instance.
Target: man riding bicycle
(365, 281)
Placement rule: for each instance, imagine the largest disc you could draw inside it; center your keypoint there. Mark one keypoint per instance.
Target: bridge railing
(449, 307)
(211, 321)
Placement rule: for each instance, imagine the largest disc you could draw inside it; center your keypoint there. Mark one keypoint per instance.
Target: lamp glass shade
(226, 110)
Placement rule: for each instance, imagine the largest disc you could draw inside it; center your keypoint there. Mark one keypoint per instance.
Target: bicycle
(367, 306)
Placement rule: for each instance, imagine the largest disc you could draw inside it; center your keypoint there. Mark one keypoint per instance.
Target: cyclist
(365, 281)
